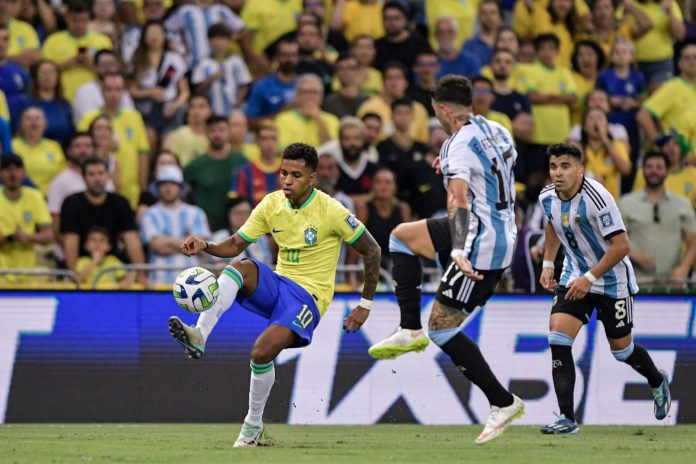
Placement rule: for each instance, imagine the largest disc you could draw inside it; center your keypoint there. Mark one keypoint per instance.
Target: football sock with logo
(408, 275)
(638, 358)
(262, 379)
(230, 281)
(468, 358)
(563, 372)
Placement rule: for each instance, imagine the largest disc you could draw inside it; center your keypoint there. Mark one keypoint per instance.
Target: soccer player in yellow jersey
(308, 227)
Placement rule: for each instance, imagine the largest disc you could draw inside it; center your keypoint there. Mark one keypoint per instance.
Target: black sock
(468, 358)
(563, 369)
(408, 276)
(641, 361)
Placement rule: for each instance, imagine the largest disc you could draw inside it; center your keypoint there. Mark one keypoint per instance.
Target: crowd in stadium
(126, 126)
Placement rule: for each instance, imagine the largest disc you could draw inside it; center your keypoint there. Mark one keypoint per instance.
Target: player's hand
(547, 281)
(577, 290)
(355, 319)
(192, 246)
(465, 266)
(436, 165)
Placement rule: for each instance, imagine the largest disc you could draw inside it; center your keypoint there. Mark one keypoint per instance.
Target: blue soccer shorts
(282, 302)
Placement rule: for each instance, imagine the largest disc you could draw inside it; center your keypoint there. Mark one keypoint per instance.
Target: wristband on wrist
(591, 277)
(457, 252)
(548, 264)
(206, 245)
(365, 303)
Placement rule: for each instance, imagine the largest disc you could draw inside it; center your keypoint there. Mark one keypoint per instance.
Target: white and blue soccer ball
(196, 289)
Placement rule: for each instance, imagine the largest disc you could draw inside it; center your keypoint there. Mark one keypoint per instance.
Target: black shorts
(616, 314)
(440, 236)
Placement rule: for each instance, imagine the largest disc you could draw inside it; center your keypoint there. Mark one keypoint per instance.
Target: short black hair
(453, 88)
(234, 202)
(10, 159)
(302, 151)
(99, 229)
(393, 64)
(344, 56)
(560, 149)
(655, 153)
(219, 30)
(401, 102)
(482, 79)
(215, 119)
(78, 6)
(92, 161)
(72, 137)
(543, 38)
(503, 50)
(397, 5)
(601, 56)
(371, 115)
(105, 52)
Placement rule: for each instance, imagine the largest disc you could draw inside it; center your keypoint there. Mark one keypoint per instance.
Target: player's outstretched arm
(230, 248)
(551, 246)
(367, 246)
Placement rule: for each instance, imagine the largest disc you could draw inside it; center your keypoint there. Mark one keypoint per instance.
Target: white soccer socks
(230, 281)
(262, 379)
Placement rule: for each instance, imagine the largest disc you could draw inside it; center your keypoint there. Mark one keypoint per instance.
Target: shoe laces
(659, 395)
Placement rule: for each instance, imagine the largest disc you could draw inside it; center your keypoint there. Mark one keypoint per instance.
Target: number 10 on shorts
(304, 318)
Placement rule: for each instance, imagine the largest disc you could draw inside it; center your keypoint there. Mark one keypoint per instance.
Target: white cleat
(249, 436)
(499, 419)
(401, 342)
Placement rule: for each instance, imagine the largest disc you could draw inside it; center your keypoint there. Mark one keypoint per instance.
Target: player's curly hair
(302, 151)
(453, 89)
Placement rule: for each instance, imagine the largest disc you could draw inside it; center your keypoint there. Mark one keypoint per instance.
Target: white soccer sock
(262, 379)
(230, 281)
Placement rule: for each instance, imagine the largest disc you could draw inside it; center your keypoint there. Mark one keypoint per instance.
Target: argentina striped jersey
(482, 154)
(584, 224)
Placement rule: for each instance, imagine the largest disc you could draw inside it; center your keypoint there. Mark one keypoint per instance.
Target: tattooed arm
(458, 214)
(372, 253)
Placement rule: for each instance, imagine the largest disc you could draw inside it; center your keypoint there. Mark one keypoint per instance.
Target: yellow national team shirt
(293, 127)
(584, 88)
(419, 126)
(4, 109)
(30, 212)
(600, 167)
(671, 102)
(42, 161)
(62, 46)
(682, 183)
(543, 24)
(108, 280)
(371, 85)
(186, 144)
(500, 118)
(270, 19)
(523, 22)
(22, 37)
(551, 121)
(362, 19)
(131, 138)
(656, 44)
(462, 11)
(308, 238)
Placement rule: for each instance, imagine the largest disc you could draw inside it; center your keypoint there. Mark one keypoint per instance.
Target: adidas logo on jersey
(620, 324)
(447, 293)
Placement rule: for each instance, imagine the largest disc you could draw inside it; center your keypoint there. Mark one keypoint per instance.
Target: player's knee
(623, 354)
(559, 338)
(400, 231)
(262, 354)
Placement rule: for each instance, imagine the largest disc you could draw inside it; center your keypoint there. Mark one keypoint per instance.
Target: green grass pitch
(207, 444)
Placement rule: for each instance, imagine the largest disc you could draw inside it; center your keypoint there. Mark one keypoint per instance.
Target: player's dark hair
(401, 102)
(215, 119)
(543, 38)
(453, 89)
(219, 30)
(560, 149)
(302, 151)
(654, 153)
(93, 161)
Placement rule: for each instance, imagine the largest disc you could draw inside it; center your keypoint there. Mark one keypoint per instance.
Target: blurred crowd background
(127, 125)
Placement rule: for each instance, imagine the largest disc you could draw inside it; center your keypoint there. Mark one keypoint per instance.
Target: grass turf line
(204, 443)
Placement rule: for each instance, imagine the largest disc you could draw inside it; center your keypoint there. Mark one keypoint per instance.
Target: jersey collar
(306, 202)
(582, 184)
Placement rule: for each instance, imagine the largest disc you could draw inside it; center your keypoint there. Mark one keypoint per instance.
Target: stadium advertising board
(107, 357)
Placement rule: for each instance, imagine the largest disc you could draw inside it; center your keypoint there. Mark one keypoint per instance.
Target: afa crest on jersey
(565, 219)
(310, 235)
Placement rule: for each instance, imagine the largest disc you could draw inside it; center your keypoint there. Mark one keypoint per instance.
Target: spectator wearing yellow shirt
(561, 18)
(395, 85)
(24, 46)
(588, 60)
(551, 89)
(133, 147)
(358, 17)
(43, 158)
(239, 131)
(606, 160)
(654, 49)
(268, 20)
(363, 49)
(464, 13)
(483, 97)
(607, 28)
(307, 122)
(665, 109)
(523, 15)
(74, 48)
(24, 217)
(191, 141)
(98, 245)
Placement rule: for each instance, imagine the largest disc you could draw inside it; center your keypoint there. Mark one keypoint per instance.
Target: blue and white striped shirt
(584, 224)
(482, 154)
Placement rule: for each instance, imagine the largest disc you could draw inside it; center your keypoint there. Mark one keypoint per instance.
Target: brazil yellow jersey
(523, 18)
(500, 118)
(551, 121)
(671, 102)
(656, 44)
(131, 138)
(293, 127)
(22, 37)
(29, 212)
(681, 182)
(362, 19)
(583, 87)
(308, 238)
(107, 280)
(42, 161)
(62, 46)
(419, 126)
(4, 109)
(464, 12)
(600, 166)
(270, 19)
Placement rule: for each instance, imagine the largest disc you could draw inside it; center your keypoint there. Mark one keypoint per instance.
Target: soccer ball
(196, 289)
